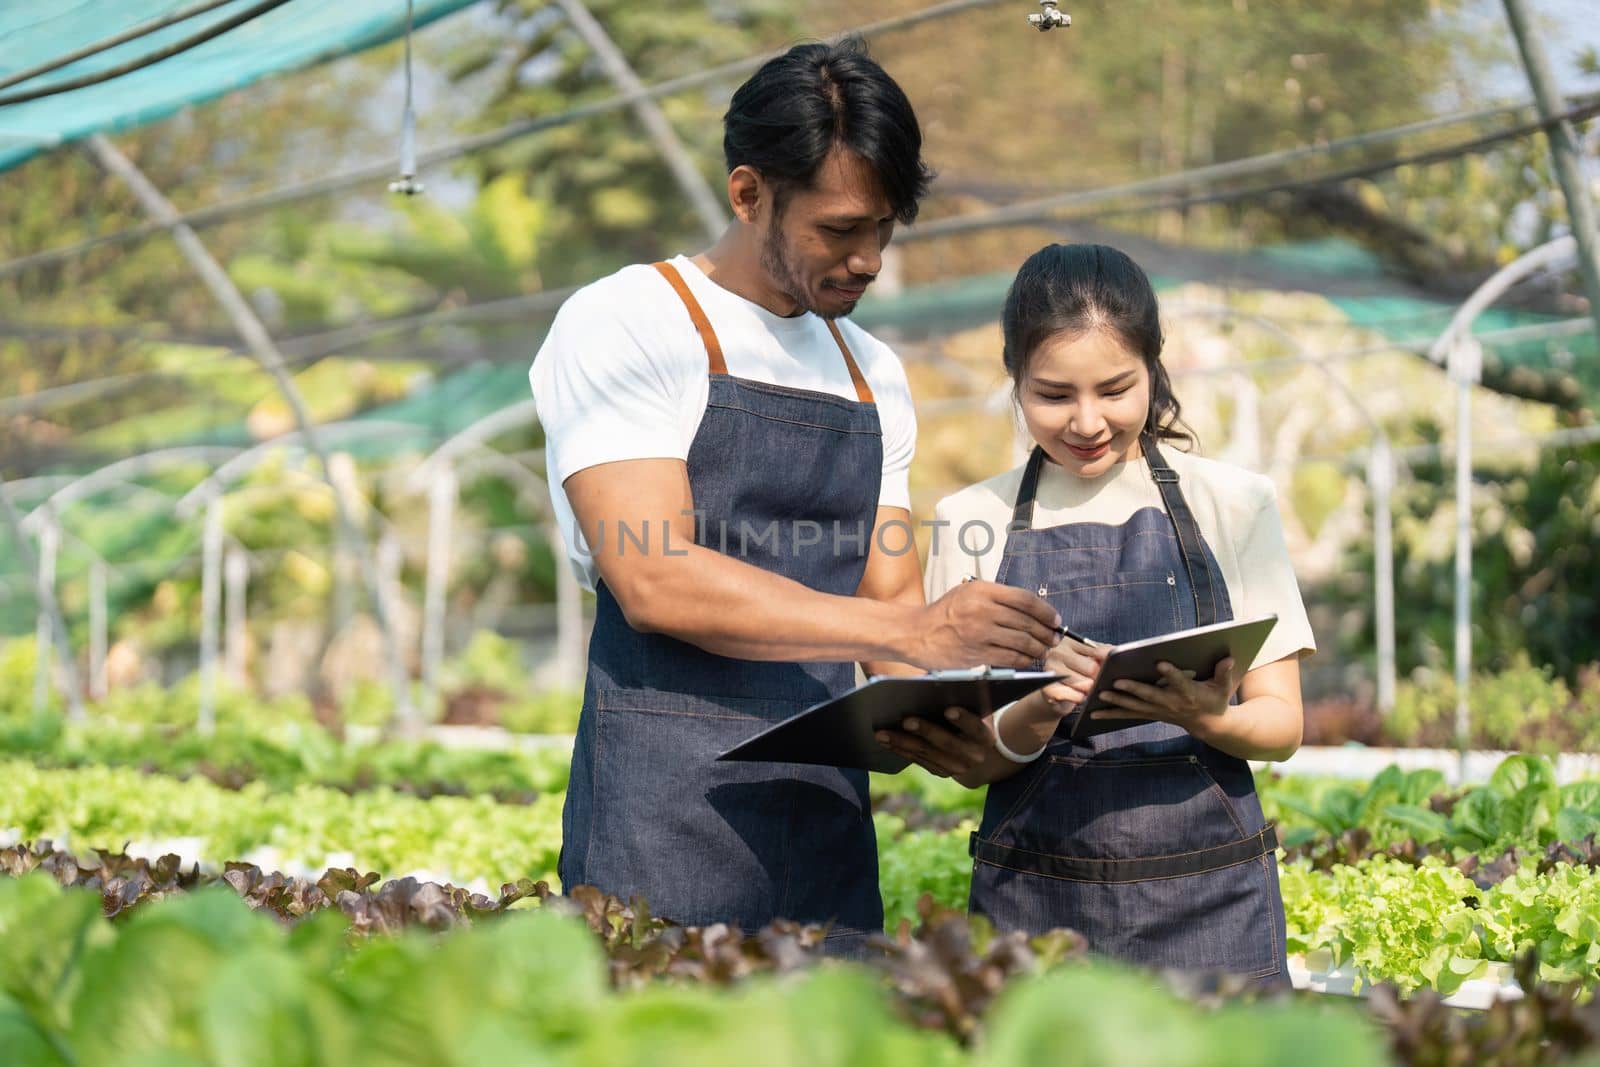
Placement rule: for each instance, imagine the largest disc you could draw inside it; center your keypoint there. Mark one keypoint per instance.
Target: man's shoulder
(635, 291)
(879, 362)
(628, 323)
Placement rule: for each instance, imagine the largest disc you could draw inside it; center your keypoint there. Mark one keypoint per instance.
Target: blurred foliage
(277, 131)
(1007, 114)
(618, 201)
(1523, 707)
(1535, 567)
(488, 673)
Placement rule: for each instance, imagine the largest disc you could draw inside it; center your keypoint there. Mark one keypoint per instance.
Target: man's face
(825, 245)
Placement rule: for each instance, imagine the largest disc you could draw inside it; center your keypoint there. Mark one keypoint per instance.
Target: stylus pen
(1082, 640)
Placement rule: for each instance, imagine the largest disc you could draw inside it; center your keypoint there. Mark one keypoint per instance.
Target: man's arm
(732, 608)
(892, 577)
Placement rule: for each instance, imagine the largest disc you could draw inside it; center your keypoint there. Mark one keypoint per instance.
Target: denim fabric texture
(649, 812)
(1149, 790)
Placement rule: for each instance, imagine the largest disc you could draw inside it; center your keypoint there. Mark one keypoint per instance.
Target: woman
(1148, 839)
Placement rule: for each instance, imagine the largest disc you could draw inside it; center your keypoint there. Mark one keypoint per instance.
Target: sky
(1566, 27)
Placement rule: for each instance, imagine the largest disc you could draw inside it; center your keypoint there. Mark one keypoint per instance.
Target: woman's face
(1084, 399)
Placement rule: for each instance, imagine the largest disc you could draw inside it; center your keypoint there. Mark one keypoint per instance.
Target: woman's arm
(1027, 725)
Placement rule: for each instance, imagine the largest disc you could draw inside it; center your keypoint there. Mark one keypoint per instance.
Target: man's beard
(781, 269)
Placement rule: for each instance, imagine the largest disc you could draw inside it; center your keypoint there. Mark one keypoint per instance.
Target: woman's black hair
(792, 112)
(1072, 289)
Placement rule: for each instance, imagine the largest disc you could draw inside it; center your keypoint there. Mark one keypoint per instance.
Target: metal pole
(97, 629)
(339, 572)
(1563, 150)
(236, 579)
(49, 542)
(1380, 480)
(1465, 365)
(712, 211)
(48, 595)
(441, 514)
(210, 609)
(265, 351)
(390, 558)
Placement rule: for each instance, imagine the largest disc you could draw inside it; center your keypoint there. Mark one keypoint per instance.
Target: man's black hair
(792, 112)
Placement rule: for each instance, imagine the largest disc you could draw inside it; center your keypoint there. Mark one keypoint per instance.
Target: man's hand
(948, 749)
(985, 624)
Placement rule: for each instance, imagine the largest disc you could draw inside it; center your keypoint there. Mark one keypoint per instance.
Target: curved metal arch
(1380, 481)
(242, 463)
(478, 434)
(129, 486)
(531, 488)
(1462, 354)
(311, 481)
(1185, 310)
(213, 489)
(439, 475)
(123, 471)
(1549, 256)
(46, 483)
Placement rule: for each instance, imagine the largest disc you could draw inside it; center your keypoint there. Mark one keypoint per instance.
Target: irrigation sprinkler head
(1050, 18)
(407, 184)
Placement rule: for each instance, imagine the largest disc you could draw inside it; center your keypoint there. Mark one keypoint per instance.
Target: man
(728, 457)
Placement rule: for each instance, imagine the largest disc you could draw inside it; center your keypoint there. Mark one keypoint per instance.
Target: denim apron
(786, 479)
(1147, 841)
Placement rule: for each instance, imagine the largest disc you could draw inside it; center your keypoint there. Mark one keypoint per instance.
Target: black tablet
(1198, 650)
(839, 732)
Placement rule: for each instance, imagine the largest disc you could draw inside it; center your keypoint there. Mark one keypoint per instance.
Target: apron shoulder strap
(1022, 512)
(1187, 529)
(863, 390)
(708, 336)
(697, 315)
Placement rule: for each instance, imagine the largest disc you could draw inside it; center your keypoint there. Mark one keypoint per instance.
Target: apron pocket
(1225, 920)
(1107, 808)
(704, 841)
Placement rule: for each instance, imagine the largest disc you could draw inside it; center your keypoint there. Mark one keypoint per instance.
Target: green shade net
(1385, 308)
(297, 34)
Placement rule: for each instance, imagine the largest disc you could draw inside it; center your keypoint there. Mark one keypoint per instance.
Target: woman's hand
(1179, 699)
(1080, 663)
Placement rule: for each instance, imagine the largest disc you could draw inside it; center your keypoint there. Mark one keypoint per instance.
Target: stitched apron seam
(1107, 881)
(1136, 859)
(857, 431)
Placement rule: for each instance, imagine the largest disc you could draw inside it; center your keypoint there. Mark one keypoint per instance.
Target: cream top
(1236, 510)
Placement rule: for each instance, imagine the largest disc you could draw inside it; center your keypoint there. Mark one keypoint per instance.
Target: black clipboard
(839, 732)
(1198, 650)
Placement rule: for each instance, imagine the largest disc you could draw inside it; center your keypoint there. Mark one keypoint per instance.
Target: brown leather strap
(863, 390)
(708, 336)
(702, 325)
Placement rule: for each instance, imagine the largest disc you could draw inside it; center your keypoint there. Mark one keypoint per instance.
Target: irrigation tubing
(149, 59)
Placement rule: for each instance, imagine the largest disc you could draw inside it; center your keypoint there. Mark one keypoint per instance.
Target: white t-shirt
(1236, 510)
(623, 375)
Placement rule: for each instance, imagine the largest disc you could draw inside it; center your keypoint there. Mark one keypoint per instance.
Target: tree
(271, 133)
(1535, 566)
(613, 199)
